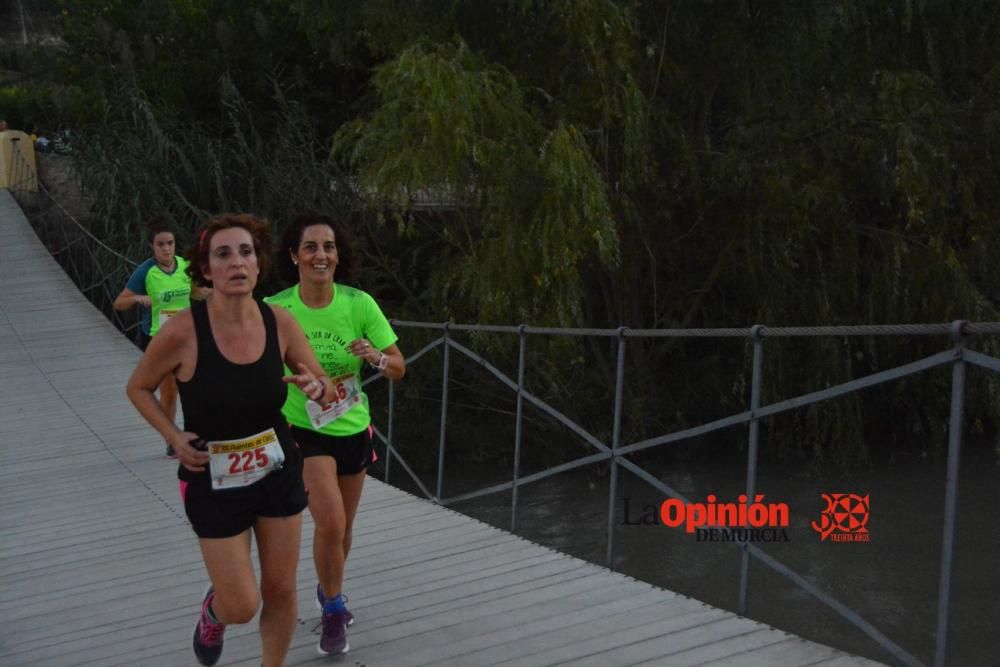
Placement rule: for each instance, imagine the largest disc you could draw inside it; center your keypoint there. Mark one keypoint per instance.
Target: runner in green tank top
(162, 287)
(346, 329)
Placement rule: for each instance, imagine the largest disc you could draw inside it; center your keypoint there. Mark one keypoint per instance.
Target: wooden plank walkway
(99, 567)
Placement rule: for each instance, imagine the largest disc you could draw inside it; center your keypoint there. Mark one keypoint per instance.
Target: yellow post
(18, 169)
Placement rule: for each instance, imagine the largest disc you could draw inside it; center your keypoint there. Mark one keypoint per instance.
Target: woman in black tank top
(225, 400)
(240, 471)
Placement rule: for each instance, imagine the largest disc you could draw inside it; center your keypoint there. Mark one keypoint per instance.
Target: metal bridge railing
(75, 247)
(957, 356)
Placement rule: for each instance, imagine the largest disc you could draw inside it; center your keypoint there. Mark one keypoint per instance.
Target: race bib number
(238, 463)
(166, 315)
(347, 396)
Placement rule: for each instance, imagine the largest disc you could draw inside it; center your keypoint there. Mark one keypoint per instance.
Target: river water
(891, 581)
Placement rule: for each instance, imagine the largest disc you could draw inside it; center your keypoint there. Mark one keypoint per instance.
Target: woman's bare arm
(127, 298)
(299, 356)
(167, 353)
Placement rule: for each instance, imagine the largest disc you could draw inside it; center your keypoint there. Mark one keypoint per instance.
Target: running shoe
(208, 634)
(334, 637)
(321, 600)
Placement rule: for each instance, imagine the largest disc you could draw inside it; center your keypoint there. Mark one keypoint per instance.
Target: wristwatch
(383, 363)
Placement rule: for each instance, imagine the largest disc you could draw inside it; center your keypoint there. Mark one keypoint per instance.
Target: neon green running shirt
(168, 292)
(351, 314)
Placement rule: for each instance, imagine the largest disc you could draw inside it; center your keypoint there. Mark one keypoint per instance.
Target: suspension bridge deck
(99, 567)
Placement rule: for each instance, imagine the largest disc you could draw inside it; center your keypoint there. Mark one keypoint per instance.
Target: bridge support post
(392, 415)
(951, 490)
(517, 427)
(616, 437)
(444, 414)
(757, 336)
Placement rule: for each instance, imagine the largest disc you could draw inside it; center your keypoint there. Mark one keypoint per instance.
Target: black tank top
(224, 400)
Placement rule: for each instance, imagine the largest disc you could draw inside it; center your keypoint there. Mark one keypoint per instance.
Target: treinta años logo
(845, 518)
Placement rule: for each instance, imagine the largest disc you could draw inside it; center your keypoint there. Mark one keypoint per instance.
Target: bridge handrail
(38, 198)
(932, 329)
(957, 356)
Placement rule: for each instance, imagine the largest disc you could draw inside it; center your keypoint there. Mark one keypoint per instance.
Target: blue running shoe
(334, 637)
(321, 600)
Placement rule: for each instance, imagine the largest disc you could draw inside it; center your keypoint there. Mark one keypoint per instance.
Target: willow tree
(526, 201)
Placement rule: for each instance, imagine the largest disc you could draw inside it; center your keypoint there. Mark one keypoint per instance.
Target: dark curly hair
(347, 267)
(260, 232)
(158, 225)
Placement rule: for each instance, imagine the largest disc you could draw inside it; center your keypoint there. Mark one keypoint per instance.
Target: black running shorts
(353, 453)
(230, 512)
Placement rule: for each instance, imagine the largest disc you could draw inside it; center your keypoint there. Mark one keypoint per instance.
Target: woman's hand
(364, 349)
(305, 380)
(192, 458)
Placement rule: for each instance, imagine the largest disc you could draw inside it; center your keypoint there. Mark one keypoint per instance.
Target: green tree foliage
(590, 163)
(530, 204)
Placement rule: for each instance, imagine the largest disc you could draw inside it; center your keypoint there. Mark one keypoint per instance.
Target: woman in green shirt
(162, 286)
(346, 329)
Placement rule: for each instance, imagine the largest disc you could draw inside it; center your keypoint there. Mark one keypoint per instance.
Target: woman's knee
(238, 606)
(328, 520)
(330, 529)
(279, 594)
